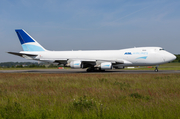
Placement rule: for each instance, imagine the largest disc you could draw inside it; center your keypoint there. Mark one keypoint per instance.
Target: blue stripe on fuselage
(142, 57)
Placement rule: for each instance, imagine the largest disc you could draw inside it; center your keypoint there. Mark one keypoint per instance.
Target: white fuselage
(140, 56)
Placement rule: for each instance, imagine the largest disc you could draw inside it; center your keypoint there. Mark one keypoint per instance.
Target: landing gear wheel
(156, 69)
(90, 70)
(101, 70)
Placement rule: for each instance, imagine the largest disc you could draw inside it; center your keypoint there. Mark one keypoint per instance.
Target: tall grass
(28, 95)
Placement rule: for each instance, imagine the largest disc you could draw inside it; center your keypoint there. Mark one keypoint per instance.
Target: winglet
(27, 42)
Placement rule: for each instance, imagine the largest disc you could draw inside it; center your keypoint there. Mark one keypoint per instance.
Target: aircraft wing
(63, 61)
(119, 61)
(90, 61)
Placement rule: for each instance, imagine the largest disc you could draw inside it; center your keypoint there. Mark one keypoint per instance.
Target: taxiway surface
(65, 71)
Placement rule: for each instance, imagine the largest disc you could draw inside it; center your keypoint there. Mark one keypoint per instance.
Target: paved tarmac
(65, 71)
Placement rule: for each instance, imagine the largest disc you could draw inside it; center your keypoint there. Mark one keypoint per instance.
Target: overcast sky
(90, 24)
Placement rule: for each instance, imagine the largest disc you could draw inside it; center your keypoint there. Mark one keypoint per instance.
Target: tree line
(177, 60)
(25, 65)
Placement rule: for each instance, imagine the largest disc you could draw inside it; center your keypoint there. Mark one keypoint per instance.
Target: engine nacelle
(75, 64)
(106, 65)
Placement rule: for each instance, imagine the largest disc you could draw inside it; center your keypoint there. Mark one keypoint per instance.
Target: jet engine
(106, 65)
(75, 64)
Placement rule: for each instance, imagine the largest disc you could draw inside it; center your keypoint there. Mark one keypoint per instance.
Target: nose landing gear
(156, 68)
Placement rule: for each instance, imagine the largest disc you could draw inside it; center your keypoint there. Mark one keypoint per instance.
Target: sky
(90, 24)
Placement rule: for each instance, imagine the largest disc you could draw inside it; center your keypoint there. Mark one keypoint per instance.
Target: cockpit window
(161, 49)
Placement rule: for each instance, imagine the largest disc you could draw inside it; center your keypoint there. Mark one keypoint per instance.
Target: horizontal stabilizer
(21, 54)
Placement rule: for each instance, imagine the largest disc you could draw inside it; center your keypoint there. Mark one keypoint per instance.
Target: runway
(69, 71)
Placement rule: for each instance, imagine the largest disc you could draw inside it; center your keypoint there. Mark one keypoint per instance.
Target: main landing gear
(156, 68)
(92, 69)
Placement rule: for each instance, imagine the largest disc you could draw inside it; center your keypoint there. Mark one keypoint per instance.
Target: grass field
(81, 96)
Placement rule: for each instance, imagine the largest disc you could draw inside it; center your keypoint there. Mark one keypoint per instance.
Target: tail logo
(27, 42)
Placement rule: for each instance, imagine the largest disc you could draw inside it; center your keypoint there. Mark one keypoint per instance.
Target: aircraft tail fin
(27, 42)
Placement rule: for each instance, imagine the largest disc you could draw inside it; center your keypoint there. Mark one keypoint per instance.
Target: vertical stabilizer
(27, 42)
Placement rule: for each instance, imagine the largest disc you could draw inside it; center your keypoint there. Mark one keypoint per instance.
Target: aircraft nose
(173, 57)
(170, 57)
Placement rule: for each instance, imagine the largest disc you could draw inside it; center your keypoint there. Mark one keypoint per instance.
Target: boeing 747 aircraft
(93, 60)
